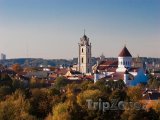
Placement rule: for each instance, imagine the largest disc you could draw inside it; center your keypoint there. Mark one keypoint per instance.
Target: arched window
(82, 59)
(88, 61)
(82, 50)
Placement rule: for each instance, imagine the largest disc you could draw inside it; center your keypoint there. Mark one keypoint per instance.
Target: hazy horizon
(51, 29)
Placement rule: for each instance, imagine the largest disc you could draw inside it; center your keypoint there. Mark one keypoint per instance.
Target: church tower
(84, 59)
(124, 60)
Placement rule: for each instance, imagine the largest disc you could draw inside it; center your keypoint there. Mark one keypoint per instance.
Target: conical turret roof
(125, 53)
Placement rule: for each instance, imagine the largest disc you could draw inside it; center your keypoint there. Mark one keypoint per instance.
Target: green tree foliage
(60, 112)
(37, 83)
(17, 84)
(134, 93)
(154, 83)
(41, 103)
(5, 79)
(53, 91)
(5, 90)
(119, 95)
(15, 107)
(115, 84)
(88, 94)
(101, 85)
(134, 114)
(51, 103)
(60, 82)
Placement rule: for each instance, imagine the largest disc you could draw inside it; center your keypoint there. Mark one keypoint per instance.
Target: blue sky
(52, 28)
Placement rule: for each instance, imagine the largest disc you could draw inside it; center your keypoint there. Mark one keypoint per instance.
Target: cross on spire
(125, 43)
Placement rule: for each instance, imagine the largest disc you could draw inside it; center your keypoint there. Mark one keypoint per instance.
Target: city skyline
(52, 29)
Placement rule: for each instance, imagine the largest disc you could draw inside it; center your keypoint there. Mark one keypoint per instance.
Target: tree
(17, 84)
(15, 107)
(60, 82)
(154, 83)
(84, 85)
(5, 90)
(101, 85)
(120, 84)
(88, 94)
(60, 112)
(33, 83)
(134, 93)
(5, 79)
(134, 114)
(41, 103)
(118, 95)
(53, 91)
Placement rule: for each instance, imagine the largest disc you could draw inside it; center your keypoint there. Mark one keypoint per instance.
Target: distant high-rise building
(84, 59)
(3, 56)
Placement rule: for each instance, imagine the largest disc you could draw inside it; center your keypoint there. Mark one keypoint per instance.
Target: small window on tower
(82, 50)
(82, 59)
(88, 61)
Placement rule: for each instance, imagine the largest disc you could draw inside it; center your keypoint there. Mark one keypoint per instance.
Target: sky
(51, 29)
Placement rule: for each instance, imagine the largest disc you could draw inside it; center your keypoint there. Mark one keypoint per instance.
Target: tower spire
(125, 43)
(84, 32)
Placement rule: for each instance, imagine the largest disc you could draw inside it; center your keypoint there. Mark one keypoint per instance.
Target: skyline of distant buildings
(3, 56)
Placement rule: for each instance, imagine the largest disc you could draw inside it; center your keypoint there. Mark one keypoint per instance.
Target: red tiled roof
(61, 71)
(117, 76)
(108, 65)
(125, 53)
(89, 77)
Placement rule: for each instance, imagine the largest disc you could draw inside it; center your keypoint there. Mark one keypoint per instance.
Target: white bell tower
(124, 60)
(84, 59)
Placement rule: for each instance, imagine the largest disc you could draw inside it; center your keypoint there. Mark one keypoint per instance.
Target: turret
(124, 60)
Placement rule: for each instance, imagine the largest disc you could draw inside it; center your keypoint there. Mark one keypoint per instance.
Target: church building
(122, 69)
